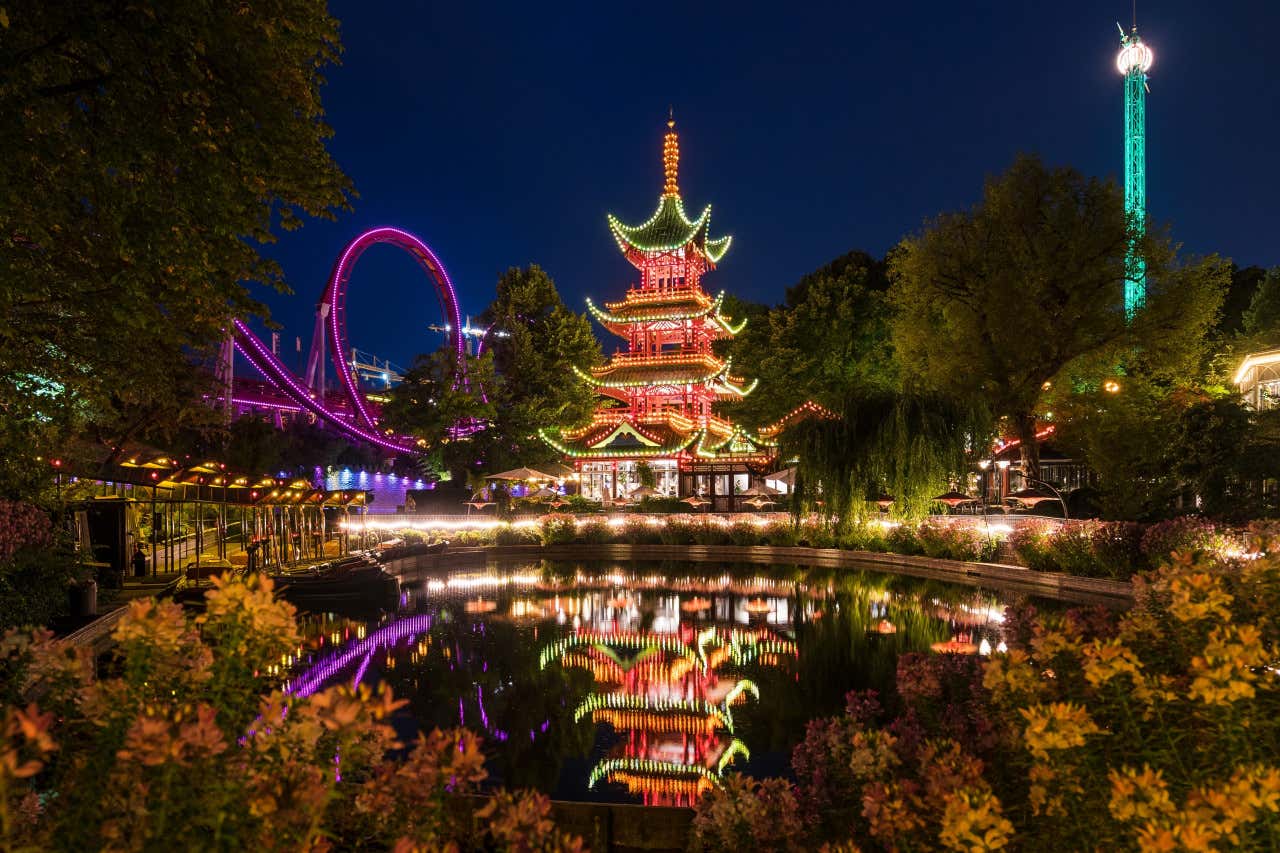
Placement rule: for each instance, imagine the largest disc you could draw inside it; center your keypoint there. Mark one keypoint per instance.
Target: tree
(152, 149)
(523, 381)
(1025, 291)
(536, 344)
(829, 340)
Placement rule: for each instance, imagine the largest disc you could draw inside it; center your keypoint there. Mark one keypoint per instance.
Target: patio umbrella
(884, 501)
(759, 501)
(1031, 497)
(787, 477)
(953, 498)
(757, 491)
(696, 501)
(520, 475)
(544, 492)
(643, 492)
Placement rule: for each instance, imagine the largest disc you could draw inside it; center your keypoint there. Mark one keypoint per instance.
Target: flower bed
(1098, 549)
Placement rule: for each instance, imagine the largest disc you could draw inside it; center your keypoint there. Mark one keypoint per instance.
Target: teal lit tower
(1133, 62)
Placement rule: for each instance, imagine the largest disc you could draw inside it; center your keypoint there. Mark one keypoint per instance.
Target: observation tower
(1133, 62)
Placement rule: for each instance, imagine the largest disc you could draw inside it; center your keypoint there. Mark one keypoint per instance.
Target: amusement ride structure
(1133, 61)
(351, 412)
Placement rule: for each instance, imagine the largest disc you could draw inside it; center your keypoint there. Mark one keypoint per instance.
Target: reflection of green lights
(735, 748)
(623, 702)
(652, 766)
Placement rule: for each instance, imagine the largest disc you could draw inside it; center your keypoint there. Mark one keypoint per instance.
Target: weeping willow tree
(911, 446)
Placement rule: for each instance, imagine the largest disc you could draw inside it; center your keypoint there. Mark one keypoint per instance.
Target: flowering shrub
(955, 541)
(595, 532)
(188, 741)
(1108, 549)
(1185, 533)
(744, 533)
(762, 813)
(517, 536)
(558, 529)
(1155, 730)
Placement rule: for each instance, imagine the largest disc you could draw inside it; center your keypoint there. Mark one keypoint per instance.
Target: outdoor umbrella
(643, 492)
(884, 500)
(757, 491)
(544, 492)
(787, 477)
(1031, 497)
(953, 498)
(759, 501)
(520, 475)
(696, 501)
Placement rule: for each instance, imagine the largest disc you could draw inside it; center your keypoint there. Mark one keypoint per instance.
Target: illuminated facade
(659, 394)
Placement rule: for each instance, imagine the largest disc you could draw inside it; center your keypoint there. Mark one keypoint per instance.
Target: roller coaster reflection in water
(333, 308)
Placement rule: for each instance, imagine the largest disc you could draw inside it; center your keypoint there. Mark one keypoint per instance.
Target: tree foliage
(827, 341)
(151, 150)
(522, 382)
(1025, 290)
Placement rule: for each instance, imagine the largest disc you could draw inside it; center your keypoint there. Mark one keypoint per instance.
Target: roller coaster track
(364, 426)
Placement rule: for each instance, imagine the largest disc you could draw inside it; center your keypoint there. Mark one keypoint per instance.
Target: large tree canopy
(827, 342)
(523, 381)
(151, 148)
(1025, 290)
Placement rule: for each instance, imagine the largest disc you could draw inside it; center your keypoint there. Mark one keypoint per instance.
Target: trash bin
(84, 598)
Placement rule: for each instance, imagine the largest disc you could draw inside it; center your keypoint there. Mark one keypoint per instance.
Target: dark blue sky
(503, 133)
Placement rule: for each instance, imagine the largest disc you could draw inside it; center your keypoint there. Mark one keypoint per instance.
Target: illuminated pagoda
(661, 391)
(670, 697)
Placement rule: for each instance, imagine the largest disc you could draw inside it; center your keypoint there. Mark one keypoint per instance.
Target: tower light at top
(1133, 61)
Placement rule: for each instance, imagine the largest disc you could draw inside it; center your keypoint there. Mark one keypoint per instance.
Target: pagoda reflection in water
(669, 690)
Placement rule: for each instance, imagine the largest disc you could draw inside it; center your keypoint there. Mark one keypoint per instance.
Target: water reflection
(597, 681)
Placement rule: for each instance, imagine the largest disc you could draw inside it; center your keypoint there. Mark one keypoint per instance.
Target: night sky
(503, 133)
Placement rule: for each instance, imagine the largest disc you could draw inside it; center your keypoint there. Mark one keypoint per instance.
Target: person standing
(139, 561)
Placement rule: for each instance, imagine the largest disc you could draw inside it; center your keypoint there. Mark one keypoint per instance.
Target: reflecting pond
(639, 682)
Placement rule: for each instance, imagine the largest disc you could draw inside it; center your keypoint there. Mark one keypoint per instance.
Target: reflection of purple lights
(317, 674)
(484, 717)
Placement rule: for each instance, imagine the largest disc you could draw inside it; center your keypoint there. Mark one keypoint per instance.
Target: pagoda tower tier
(659, 393)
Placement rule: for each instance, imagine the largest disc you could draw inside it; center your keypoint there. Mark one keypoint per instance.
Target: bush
(110, 763)
(1187, 533)
(1030, 541)
(517, 536)
(816, 535)
(953, 541)
(679, 531)
(743, 809)
(638, 531)
(744, 533)
(595, 532)
(779, 533)
(663, 505)
(33, 587)
(902, 539)
(558, 529)
(864, 536)
(1117, 549)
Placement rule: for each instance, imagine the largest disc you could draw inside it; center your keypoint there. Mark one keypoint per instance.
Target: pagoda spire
(671, 157)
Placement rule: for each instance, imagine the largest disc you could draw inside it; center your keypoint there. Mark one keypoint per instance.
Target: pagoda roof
(674, 306)
(670, 228)
(622, 439)
(638, 372)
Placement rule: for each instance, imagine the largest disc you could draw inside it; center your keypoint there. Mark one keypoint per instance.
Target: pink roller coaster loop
(364, 426)
(335, 295)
